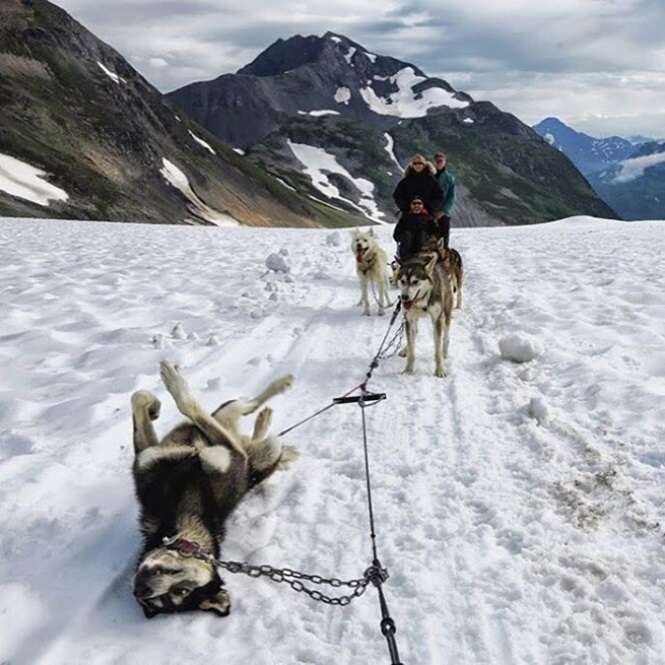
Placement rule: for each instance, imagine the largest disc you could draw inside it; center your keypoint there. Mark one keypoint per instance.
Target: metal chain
(293, 579)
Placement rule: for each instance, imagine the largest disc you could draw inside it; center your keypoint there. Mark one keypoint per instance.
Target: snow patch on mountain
(318, 163)
(405, 103)
(112, 75)
(284, 183)
(390, 149)
(319, 113)
(27, 182)
(200, 141)
(634, 168)
(370, 56)
(550, 138)
(343, 95)
(348, 56)
(177, 178)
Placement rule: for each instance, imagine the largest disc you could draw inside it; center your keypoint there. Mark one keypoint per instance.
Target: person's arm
(451, 196)
(436, 199)
(399, 229)
(433, 228)
(399, 196)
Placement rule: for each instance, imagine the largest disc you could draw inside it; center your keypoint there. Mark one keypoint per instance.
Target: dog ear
(219, 603)
(429, 267)
(371, 231)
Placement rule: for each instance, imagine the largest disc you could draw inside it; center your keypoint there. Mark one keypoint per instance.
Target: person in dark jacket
(414, 230)
(419, 181)
(446, 182)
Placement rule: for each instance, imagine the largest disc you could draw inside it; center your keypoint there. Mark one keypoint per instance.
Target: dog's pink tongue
(407, 304)
(359, 257)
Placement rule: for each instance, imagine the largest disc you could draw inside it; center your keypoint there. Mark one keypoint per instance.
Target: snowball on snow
(334, 239)
(520, 347)
(539, 410)
(277, 263)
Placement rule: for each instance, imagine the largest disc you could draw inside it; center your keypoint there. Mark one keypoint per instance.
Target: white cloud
(635, 168)
(158, 62)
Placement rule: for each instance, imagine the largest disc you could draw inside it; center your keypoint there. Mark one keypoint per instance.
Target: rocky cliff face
(325, 115)
(78, 118)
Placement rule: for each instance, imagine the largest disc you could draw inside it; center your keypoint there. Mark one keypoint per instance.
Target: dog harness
(360, 260)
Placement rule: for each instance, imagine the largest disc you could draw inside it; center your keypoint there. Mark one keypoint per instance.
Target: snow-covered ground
(519, 506)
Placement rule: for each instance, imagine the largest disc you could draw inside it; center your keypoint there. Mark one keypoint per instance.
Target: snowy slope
(519, 506)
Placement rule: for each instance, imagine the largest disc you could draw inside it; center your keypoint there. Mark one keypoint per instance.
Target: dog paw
(289, 455)
(440, 372)
(176, 384)
(382, 312)
(407, 370)
(263, 421)
(142, 399)
(282, 384)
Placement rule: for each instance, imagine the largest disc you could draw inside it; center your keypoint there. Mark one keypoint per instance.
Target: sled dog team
(428, 273)
(188, 482)
(430, 284)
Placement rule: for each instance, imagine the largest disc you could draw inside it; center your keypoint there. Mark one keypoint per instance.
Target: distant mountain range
(329, 117)
(81, 126)
(629, 174)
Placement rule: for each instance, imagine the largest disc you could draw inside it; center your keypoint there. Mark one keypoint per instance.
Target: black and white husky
(425, 282)
(187, 485)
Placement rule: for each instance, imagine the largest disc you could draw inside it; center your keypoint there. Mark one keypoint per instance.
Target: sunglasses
(419, 163)
(440, 159)
(416, 203)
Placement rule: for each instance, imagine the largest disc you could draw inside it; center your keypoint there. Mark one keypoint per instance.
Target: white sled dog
(371, 268)
(425, 283)
(187, 484)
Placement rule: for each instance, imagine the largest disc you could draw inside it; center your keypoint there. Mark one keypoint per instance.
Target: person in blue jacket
(446, 181)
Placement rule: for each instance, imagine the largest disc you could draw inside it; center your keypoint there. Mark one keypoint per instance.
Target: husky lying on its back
(187, 484)
(371, 267)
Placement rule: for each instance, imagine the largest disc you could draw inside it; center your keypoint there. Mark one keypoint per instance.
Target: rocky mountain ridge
(77, 118)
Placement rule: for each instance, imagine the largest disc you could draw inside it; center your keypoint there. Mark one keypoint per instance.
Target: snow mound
(520, 347)
(277, 263)
(27, 182)
(539, 410)
(334, 239)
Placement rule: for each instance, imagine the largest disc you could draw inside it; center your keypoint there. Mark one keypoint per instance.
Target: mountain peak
(284, 55)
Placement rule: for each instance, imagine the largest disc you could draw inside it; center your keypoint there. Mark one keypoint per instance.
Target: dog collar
(187, 548)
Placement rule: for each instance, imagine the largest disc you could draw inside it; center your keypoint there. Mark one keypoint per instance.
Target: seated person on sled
(415, 229)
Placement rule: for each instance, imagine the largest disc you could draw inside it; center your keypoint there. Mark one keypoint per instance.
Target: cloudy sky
(596, 64)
